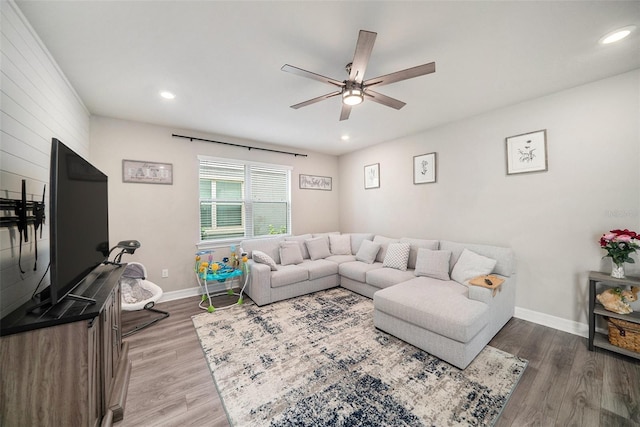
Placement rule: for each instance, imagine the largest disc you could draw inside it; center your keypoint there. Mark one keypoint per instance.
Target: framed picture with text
(314, 182)
(144, 172)
(372, 176)
(527, 152)
(424, 168)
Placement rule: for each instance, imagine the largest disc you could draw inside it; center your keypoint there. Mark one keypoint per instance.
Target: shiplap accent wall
(37, 103)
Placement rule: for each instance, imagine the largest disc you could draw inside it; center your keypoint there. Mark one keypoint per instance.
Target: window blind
(243, 200)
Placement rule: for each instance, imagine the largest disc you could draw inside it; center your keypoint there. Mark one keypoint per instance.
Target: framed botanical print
(424, 168)
(527, 152)
(372, 176)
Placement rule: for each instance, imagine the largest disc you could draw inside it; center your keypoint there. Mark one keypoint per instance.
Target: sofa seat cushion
(356, 270)
(387, 276)
(288, 274)
(440, 309)
(319, 268)
(339, 259)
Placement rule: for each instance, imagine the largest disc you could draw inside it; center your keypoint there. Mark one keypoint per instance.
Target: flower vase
(617, 270)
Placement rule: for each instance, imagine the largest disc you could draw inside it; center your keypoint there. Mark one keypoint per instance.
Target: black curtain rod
(193, 138)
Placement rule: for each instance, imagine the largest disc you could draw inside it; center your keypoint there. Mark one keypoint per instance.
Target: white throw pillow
(368, 251)
(300, 239)
(262, 258)
(432, 263)
(397, 256)
(340, 244)
(290, 253)
(318, 248)
(470, 265)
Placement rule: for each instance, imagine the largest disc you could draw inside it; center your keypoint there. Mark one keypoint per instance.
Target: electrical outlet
(165, 272)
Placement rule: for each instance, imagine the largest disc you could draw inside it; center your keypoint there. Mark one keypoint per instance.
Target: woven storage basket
(624, 334)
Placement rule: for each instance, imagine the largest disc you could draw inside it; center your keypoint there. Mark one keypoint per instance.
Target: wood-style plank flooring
(563, 385)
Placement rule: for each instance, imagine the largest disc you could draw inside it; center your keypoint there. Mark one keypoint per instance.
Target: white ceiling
(222, 59)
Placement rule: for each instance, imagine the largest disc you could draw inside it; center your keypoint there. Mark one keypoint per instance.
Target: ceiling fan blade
(364, 46)
(314, 100)
(384, 99)
(304, 73)
(409, 73)
(344, 113)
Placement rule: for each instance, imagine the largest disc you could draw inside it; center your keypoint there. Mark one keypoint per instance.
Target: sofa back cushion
(301, 239)
(325, 235)
(357, 239)
(384, 244)
(505, 258)
(340, 244)
(270, 246)
(417, 244)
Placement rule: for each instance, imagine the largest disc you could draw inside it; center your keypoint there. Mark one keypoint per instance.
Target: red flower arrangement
(620, 244)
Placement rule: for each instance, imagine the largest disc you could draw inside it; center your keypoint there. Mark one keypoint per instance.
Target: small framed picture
(424, 168)
(372, 176)
(527, 152)
(143, 172)
(314, 182)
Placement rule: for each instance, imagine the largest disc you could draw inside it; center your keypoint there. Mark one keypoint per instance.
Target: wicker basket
(624, 334)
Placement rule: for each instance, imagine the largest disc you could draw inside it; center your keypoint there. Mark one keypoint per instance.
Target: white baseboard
(570, 326)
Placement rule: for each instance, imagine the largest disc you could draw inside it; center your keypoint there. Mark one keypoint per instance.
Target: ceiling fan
(355, 89)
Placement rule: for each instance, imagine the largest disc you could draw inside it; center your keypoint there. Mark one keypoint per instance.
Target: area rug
(317, 360)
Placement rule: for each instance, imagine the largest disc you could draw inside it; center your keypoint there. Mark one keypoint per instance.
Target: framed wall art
(143, 172)
(372, 176)
(527, 152)
(424, 168)
(314, 182)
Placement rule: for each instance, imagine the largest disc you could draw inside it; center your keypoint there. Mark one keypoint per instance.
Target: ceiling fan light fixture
(353, 96)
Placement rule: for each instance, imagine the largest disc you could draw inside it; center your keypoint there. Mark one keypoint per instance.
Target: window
(242, 199)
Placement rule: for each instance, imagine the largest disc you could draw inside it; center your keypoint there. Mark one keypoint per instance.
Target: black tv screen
(78, 218)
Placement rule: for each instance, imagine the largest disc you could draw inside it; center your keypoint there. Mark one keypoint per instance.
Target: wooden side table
(601, 340)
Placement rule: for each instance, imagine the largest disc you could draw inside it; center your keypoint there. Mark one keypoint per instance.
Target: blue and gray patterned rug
(317, 360)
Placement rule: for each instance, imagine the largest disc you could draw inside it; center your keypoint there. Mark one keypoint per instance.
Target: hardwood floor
(563, 385)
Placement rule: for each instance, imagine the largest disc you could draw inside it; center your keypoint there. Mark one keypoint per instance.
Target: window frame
(246, 200)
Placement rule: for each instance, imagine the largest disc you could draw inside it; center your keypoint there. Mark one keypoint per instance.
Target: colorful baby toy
(229, 268)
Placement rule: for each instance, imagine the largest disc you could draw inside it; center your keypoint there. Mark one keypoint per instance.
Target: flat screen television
(78, 220)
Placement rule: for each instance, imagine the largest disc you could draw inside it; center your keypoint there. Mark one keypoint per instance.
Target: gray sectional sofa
(420, 288)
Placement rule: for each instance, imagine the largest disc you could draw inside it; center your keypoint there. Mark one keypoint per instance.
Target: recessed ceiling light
(344, 137)
(617, 35)
(167, 95)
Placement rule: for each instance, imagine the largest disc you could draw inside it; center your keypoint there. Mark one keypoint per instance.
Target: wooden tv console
(66, 365)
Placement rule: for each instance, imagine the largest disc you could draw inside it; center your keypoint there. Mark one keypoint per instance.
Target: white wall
(165, 218)
(37, 103)
(552, 220)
